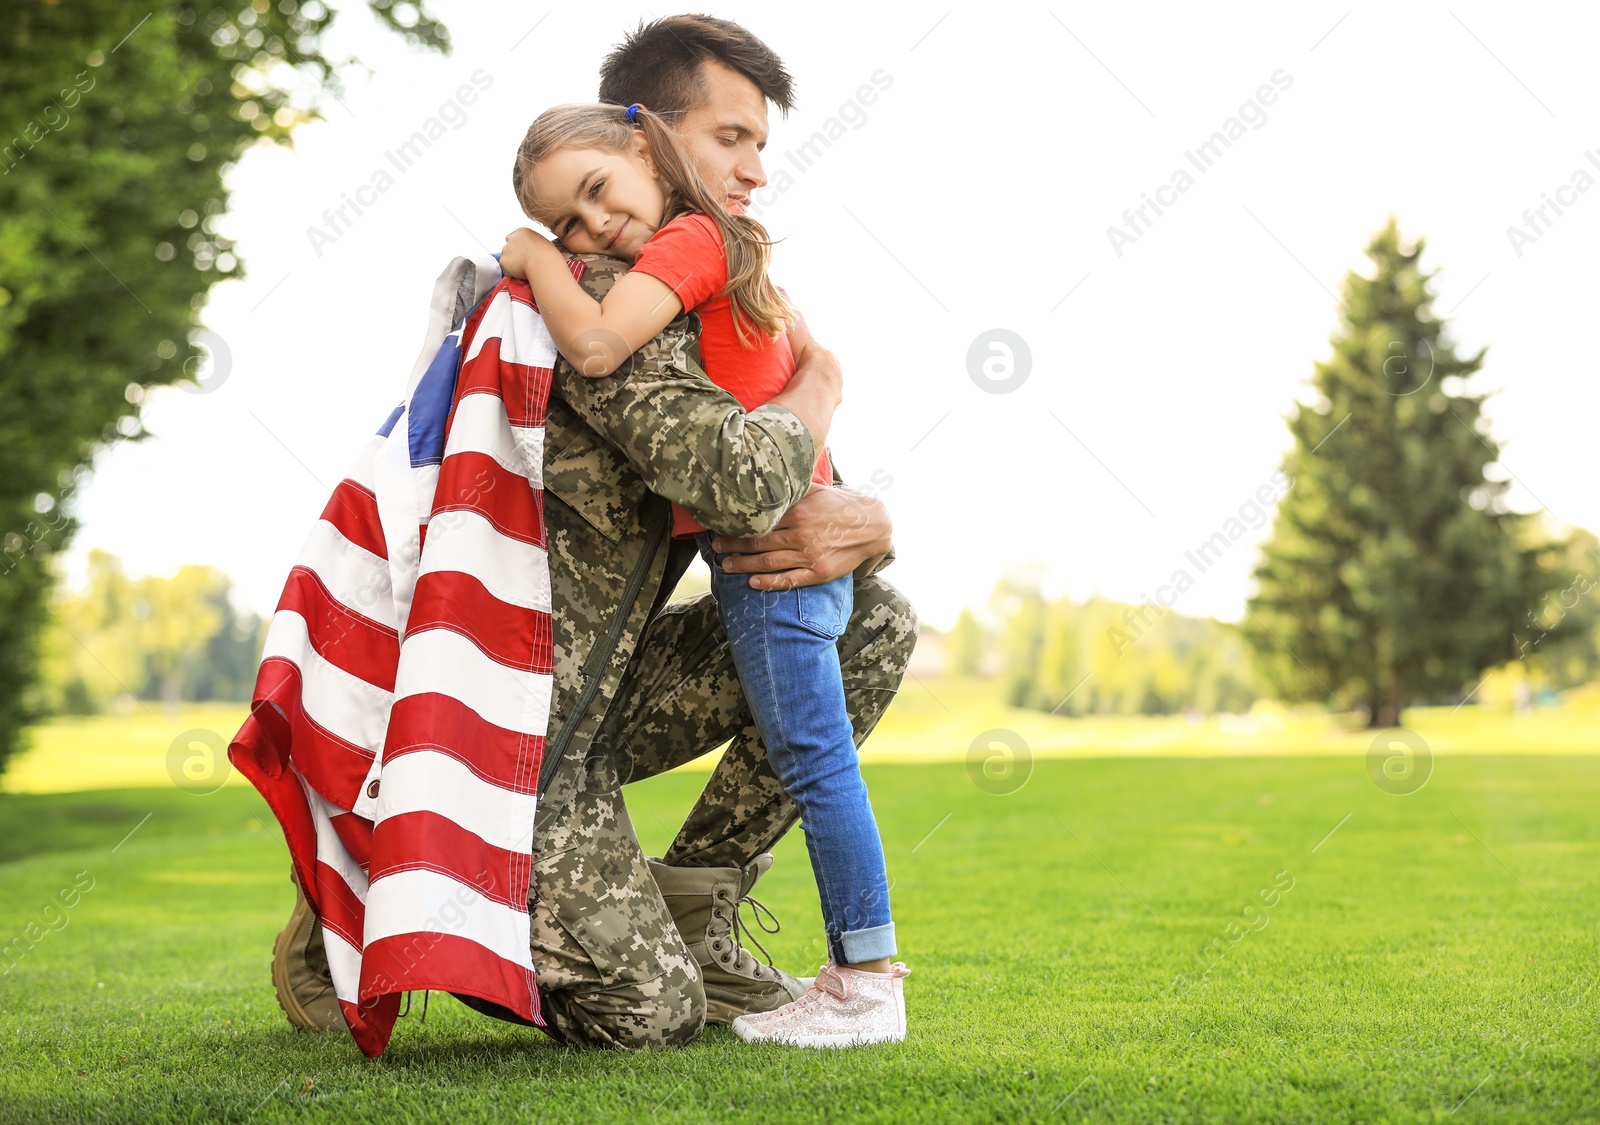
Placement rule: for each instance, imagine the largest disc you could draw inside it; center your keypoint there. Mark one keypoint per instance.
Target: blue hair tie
(633, 113)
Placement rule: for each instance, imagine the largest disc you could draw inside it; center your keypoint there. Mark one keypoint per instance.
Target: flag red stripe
(260, 751)
(355, 833)
(523, 388)
(337, 903)
(372, 1022)
(353, 509)
(340, 635)
(444, 724)
(448, 963)
(334, 766)
(420, 840)
(509, 634)
(476, 482)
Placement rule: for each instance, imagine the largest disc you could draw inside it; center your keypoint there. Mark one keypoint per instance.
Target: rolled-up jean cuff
(868, 944)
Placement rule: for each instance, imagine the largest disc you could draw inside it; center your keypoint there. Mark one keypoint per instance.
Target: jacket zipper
(601, 655)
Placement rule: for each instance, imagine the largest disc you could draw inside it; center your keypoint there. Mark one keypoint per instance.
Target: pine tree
(1395, 573)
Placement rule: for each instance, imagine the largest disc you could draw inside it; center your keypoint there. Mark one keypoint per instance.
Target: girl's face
(599, 202)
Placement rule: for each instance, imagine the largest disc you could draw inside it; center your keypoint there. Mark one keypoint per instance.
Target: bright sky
(973, 195)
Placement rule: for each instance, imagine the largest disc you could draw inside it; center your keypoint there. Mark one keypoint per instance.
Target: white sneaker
(842, 1008)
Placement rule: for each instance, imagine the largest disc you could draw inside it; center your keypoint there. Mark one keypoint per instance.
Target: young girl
(613, 181)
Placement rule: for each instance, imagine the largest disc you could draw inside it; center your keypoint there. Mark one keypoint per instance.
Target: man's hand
(827, 535)
(521, 246)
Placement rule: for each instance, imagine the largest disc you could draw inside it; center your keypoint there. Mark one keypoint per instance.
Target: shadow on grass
(33, 824)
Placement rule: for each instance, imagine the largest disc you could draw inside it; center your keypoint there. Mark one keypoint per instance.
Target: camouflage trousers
(613, 970)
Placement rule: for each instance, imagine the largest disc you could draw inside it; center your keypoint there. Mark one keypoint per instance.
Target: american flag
(400, 712)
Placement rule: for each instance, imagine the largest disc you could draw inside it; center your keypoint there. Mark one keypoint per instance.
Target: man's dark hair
(659, 65)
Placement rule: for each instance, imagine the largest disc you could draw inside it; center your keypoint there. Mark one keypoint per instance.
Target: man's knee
(669, 1011)
(884, 625)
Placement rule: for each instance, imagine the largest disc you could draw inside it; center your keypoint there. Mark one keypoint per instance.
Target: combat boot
(300, 972)
(704, 902)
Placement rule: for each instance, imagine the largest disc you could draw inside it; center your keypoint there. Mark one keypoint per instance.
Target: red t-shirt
(687, 256)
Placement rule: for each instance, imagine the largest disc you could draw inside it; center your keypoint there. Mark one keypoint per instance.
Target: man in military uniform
(633, 951)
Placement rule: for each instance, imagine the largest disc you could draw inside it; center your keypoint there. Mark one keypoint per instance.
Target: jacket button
(372, 789)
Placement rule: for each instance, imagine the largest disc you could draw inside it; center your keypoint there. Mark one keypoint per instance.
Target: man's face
(725, 135)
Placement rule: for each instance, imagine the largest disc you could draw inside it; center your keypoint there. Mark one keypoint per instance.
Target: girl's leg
(784, 645)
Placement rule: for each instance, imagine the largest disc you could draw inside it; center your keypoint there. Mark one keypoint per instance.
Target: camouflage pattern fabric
(642, 686)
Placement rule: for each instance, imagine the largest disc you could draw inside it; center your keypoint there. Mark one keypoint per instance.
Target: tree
(1394, 572)
(1019, 605)
(1103, 657)
(118, 129)
(170, 638)
(225, 668)
(967, 644)
(175, 618)
(1558, 643)
(90, 652)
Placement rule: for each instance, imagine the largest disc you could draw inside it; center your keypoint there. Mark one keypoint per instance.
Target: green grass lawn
(933, 719)
(1435, 958)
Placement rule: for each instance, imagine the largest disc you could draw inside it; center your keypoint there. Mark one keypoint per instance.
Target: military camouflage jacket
(617, 450)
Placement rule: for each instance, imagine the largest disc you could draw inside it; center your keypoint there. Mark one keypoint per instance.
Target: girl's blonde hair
(754, 298)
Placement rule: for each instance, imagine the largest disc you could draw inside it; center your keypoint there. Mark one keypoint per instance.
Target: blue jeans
(785, 647)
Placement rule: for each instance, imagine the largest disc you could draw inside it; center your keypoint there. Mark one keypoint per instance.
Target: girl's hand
(520, 249)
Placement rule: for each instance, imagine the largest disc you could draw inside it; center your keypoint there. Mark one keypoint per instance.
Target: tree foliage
(1395, 572)
(1558, 641)
(171, 638)
(1104, 657)
(118, 126)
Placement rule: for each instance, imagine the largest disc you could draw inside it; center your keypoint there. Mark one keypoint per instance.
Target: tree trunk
(172, 693)
(1385, 710)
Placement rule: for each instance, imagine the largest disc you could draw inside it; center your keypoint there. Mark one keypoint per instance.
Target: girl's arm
(596, 337)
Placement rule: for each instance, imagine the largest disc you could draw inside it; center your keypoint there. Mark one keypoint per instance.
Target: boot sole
(726, 1011)
(722, 1011)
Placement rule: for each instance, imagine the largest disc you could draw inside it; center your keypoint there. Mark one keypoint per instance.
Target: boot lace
(742, 929)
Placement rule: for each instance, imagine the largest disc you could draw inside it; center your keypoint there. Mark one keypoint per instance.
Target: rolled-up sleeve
(736, 471)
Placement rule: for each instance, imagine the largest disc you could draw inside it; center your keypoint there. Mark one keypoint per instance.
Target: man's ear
(641, 149)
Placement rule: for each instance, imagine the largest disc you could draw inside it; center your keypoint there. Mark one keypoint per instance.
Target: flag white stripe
(449, 907)
(346, 705)
(361, 471)
(425, 485)
(511, 570)
(344, 960)
(429, 781)
(523, 336)
(445, 662)
(330, 848)
(357, 578)
(401, 513)
(481, 426)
